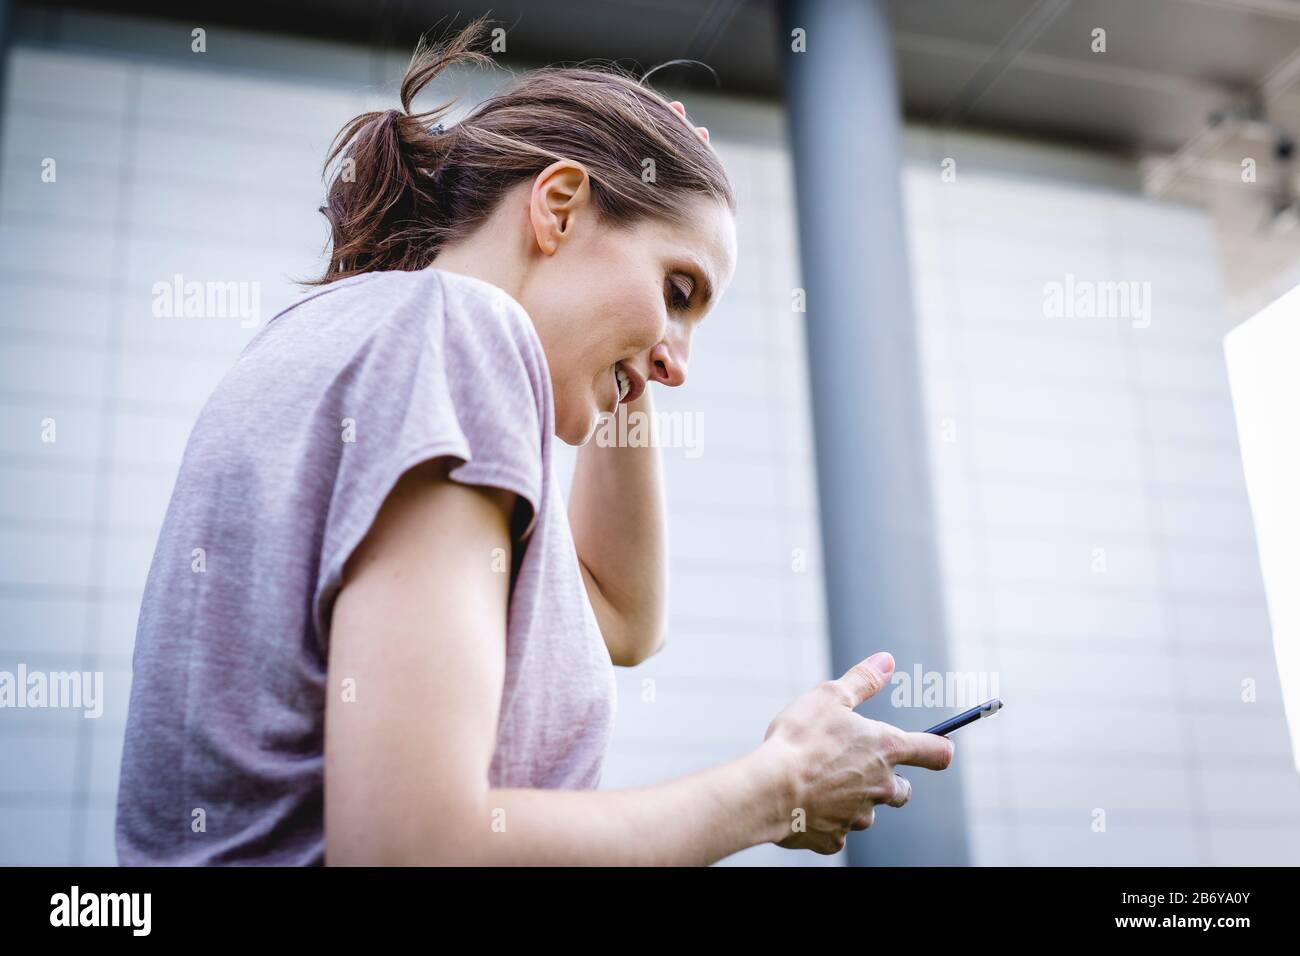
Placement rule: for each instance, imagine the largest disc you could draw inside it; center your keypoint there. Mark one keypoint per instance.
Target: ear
(560, 198)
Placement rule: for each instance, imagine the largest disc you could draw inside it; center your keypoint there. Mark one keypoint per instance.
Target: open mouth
(628, 384)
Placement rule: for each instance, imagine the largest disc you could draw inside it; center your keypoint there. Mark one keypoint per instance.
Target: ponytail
(383, 202)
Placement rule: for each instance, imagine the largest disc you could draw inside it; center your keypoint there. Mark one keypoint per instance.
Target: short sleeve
(449, 375)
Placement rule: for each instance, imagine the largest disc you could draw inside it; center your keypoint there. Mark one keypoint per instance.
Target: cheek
(641, 321)
(624, 325)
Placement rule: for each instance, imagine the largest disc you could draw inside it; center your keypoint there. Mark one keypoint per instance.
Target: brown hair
(403, 188)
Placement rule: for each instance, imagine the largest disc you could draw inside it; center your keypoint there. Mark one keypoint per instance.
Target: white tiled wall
(1123, 680)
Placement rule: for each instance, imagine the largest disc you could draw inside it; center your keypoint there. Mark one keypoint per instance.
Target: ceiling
(1023, 66)
(1028, 65)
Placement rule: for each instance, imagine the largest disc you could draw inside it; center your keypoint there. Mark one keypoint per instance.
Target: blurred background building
(1094, 538)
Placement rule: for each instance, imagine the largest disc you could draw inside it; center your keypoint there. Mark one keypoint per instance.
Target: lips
(636, 382)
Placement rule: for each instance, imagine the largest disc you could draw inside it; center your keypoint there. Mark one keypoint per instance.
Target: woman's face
(615, 308)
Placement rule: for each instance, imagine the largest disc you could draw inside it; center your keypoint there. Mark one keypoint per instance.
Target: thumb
(865, 678)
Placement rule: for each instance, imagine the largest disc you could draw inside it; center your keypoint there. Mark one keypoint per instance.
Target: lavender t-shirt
(283, 475)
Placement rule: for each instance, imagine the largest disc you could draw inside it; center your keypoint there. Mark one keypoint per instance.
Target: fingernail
(882, 661)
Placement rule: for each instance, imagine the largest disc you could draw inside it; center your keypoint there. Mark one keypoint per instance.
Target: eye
(679, 293)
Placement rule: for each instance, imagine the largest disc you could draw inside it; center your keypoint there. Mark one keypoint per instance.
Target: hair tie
(437, 129)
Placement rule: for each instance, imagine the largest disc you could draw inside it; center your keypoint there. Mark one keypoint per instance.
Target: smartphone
(986, 709)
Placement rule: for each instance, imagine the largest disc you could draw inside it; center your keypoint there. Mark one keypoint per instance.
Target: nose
(668, 360)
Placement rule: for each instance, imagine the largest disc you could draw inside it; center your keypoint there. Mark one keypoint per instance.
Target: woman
(371, 633)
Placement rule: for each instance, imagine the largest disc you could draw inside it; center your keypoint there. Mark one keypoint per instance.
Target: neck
(489, 254)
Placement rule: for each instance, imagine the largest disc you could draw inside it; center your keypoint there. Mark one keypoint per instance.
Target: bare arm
(419, 628)
(616, 511)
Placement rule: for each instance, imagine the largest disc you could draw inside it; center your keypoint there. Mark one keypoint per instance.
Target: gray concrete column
(881, 569)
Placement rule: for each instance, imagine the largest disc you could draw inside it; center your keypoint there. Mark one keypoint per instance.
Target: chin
(577, 432)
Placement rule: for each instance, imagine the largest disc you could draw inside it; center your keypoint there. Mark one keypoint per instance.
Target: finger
(923, 750)
(864, 821)
(865, 678)
(704, 132)
(902, 791)
(679, 106)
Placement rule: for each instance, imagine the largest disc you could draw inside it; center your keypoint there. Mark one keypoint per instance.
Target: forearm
(617, 514)
(690, 821)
